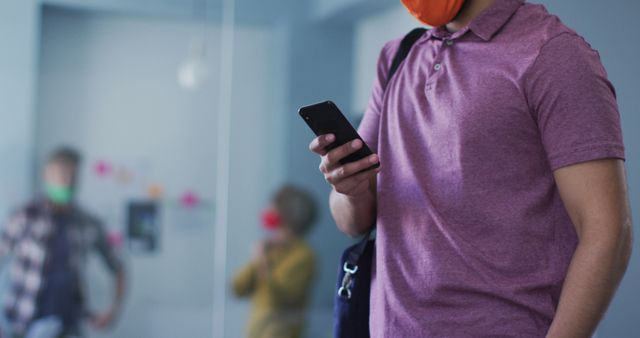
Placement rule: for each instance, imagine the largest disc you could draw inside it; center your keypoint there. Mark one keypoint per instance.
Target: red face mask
(434, 13)
(271, 220)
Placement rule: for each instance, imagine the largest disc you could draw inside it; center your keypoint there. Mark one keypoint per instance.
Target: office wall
(319, 69)
(19, 20)
(258, 150)
(326, 8)
(370, 36)
(108, 86)
(610, 29)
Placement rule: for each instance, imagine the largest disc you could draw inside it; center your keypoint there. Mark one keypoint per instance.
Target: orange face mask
(434, 13)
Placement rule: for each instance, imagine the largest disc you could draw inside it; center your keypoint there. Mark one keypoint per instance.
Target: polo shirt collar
(487, 23)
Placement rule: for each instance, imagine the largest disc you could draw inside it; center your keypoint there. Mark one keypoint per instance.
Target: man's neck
(283, 237)
(469, 11)
(59, 209)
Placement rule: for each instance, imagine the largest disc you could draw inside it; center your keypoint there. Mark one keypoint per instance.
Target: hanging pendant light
(193, 71)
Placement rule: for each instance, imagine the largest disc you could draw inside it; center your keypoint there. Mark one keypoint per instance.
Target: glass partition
(134, 89)
(288, 55)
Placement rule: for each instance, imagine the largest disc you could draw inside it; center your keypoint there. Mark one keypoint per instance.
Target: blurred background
(186, 110)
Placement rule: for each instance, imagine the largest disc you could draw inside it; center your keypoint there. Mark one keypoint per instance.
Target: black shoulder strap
(353, 257)
(407, 42)
(405, 46)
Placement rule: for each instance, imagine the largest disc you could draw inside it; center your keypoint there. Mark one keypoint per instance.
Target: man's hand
(353, 199)
(260, 259)
(347, 179)
(104, 320)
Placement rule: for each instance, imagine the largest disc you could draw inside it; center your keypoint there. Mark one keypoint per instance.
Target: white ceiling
(247, 11)
(254, 11)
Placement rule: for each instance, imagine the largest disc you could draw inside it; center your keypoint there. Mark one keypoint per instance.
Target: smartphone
(325, 118)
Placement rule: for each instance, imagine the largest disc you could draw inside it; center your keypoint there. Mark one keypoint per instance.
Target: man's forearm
(120, 288)
(353, 215)
(594, 273)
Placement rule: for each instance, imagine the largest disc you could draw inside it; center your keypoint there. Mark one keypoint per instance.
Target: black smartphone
(325, 118)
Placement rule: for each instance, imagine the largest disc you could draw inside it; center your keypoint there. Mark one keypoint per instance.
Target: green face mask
(58, 194)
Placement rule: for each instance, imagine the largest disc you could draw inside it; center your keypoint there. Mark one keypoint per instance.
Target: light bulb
(193, 71)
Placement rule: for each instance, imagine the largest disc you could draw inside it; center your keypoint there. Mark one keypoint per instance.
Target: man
(50, 240)
(500, 203)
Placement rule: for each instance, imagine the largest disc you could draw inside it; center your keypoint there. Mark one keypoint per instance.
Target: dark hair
(65, 155)
(296, 207)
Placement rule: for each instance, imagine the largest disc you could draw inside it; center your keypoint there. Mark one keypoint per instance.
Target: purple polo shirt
(473, 238)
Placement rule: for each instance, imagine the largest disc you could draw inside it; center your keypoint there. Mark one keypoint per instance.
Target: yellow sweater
(280, 298)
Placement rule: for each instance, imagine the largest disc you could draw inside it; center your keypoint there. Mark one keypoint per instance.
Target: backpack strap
(405, 47)
(351, 262)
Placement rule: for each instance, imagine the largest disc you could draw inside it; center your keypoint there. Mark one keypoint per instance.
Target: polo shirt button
(437, 66)
(449, 42)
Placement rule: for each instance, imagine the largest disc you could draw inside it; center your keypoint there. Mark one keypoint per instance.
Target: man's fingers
(349, 169)
(335, 155)
(319, 143)
(331, 160)
(348, 185)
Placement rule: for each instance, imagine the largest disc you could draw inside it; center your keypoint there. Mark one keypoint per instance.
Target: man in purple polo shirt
(500, 202)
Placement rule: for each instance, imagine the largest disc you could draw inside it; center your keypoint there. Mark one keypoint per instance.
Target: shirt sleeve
(10, 234)
(369, 126)
(573, 103)
(105, 249)
(244, 281)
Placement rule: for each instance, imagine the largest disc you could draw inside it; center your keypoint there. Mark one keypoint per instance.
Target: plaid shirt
(25, 236)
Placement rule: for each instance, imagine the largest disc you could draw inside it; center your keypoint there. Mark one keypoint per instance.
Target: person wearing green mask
(50, 239)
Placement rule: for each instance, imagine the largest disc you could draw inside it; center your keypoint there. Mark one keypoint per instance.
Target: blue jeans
(49, 327)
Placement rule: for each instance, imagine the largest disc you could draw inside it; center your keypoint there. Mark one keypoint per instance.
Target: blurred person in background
(50, 239)
(279, 277)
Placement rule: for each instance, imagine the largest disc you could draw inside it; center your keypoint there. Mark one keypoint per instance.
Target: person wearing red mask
(280, 275)
(500, 203)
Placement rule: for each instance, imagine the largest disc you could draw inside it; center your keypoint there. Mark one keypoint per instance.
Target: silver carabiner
(347, 269)
(343, 290)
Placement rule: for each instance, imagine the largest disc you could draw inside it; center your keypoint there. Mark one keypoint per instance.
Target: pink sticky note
(102, 168)
(189, 199)
(115, 239)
